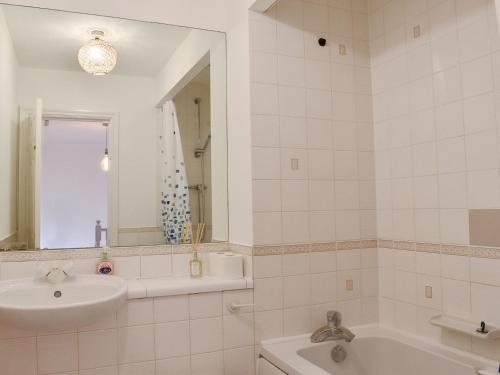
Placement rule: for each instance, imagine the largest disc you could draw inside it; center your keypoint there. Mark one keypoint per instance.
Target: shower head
(197, 100)
(200, 151)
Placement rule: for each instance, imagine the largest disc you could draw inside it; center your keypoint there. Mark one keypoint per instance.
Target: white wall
(239, 127)
(129, 97)
(8, 132)
(189, 59)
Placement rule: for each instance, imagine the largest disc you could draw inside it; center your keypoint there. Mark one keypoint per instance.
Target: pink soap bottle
(105, 266)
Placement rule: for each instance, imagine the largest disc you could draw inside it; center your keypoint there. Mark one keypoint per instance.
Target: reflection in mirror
(112, 131)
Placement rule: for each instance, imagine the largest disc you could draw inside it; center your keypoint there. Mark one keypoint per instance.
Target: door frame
(113, 120)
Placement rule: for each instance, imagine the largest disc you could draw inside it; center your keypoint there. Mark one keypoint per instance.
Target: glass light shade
(105, 162)
(97, 57)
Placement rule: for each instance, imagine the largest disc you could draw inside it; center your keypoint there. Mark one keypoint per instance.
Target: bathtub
(374, 351)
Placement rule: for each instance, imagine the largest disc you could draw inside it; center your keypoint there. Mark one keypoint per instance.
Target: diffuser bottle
(195, 266)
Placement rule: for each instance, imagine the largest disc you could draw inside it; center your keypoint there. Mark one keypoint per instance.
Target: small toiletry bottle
(195, 266)
(105, 266)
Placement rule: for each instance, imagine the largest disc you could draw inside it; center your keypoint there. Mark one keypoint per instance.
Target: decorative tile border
(313, 247)
(462, 250)
(448, 249)
(67, 254)
(369, 244)
(63, 254)
(428, 247)
(296, 249)
(404, 245)
(387, 244)
(321, 247)
(348, 245)
(267, 250)
(455, 250)
(485, 252)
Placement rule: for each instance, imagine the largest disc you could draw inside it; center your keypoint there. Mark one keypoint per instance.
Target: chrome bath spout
(333, 331)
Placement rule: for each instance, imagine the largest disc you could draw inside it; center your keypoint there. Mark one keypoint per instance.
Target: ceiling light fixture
(97, 56)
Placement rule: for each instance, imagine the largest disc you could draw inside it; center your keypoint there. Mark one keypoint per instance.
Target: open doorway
(74, 183)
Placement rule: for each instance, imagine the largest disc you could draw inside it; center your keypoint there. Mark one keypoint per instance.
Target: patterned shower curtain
(175, 210)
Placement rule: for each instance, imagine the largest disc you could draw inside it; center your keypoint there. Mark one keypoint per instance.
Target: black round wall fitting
(322, 42)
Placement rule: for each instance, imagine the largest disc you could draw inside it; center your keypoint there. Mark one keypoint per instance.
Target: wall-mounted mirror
(112, 131)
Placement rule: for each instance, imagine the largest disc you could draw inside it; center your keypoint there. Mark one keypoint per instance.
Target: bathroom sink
(76, 302)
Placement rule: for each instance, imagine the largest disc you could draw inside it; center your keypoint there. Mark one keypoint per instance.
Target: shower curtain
(175, 209)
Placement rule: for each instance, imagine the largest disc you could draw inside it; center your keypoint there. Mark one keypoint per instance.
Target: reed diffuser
(195, 265)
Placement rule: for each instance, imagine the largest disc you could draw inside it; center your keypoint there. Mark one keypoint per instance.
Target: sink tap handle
(42, 269)
(67, 267)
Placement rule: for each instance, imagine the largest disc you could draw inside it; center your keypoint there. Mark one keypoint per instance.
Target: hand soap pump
(105, 266)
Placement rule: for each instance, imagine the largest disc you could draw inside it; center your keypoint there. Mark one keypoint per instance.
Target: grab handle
(234, 307)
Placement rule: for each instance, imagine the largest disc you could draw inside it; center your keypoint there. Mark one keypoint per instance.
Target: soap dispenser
(105, 266)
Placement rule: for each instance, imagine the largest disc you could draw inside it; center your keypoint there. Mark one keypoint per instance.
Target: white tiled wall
(433, 68)
(311, 105)
(462, 286)
(168, 335)
(436, 115)
(293, 292)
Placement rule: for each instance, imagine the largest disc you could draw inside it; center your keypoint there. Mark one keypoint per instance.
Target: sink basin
(76, 302)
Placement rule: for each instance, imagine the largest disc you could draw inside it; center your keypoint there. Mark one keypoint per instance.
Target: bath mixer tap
(333, 331)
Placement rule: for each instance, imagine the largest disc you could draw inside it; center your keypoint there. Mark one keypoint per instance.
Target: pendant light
(97, 56)
(105, 158)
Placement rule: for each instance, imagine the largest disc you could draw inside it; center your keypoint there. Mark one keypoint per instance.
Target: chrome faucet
(55, 274)
(333, 331)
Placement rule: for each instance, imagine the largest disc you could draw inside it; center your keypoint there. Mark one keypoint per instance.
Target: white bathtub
(374, 351)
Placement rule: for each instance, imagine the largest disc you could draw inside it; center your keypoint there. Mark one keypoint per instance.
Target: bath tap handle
(334, 318)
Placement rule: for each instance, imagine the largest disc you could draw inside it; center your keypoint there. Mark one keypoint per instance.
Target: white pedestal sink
(76, 302)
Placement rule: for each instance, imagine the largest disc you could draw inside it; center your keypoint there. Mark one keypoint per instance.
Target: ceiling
(48, 39)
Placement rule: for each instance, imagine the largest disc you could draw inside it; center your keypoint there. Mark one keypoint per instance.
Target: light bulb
(96, 53)
(97, 56)
(105, 162)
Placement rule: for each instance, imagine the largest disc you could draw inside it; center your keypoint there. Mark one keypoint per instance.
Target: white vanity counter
(171, 286)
